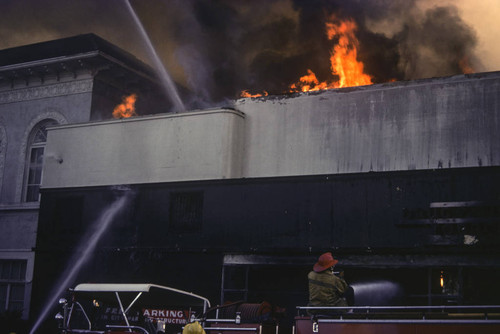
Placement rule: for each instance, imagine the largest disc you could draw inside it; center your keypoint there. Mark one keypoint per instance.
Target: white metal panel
(162, 148)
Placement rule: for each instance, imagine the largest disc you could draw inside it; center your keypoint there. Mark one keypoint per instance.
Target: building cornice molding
(48, 90)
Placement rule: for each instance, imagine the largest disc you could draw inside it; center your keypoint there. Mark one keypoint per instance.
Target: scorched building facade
(72, 80)
(400, 181)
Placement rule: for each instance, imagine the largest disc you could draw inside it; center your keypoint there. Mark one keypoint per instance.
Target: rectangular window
(12, 285)
(186, 211)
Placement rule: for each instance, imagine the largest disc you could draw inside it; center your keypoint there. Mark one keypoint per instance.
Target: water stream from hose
(82, 255)
(166, 80)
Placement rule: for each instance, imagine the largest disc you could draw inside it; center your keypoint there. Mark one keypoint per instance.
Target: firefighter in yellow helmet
(193, 328)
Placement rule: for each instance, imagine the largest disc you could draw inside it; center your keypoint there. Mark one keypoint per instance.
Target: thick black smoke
(217, 48)
(231, 45)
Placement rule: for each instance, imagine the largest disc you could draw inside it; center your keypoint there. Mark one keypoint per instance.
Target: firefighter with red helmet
(326, 288)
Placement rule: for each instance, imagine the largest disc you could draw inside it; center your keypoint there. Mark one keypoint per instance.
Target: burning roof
(219, 49)
(355, 63)
(304, 45)
(346, 69)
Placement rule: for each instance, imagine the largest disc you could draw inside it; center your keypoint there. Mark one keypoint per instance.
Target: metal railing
(404, 314)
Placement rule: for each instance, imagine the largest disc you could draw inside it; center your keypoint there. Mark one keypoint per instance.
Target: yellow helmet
(193, 328)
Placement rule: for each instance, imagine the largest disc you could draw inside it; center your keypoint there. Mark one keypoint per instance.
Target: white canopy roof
(132, 287)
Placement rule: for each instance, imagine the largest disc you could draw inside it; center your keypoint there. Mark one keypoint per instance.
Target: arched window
(35, 149)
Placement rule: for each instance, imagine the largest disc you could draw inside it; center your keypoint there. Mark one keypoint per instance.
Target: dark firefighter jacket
(326, 289)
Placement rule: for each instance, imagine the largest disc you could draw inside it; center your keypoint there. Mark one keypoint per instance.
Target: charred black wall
(177, 233)
(355, 211)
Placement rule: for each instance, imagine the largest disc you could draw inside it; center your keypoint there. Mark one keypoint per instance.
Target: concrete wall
(427, 124)
(169, 147)
(435, 123)
(22, 108)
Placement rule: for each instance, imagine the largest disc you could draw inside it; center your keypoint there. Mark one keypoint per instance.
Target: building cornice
(47, 90)
(46, 62)
(70, 64)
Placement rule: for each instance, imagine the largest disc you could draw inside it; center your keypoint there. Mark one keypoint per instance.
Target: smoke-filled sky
(217, 48)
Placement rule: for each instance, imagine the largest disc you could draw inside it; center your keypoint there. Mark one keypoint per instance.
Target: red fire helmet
(325, 261)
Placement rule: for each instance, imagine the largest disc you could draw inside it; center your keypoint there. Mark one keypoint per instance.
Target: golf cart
(96, 308)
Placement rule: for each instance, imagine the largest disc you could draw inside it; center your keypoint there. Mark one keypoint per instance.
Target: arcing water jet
(165, 78)
(87, 246)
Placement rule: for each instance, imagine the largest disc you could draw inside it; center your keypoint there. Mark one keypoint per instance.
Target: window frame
(37, 141)
(10, 282)
(186, 211)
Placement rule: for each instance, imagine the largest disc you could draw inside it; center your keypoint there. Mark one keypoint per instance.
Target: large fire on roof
(215, 50)
(303, 46)
(344, 64)
(346, 69)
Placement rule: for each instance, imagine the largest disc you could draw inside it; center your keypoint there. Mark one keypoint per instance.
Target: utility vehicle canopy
(139, 294)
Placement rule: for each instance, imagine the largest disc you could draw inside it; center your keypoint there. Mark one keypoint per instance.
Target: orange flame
(126, 109)
(344, 55)
(465, 65)
(309, 82)
(343, 61)
(246, 93)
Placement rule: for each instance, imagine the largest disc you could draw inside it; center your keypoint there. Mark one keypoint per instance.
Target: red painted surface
(305, 326)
